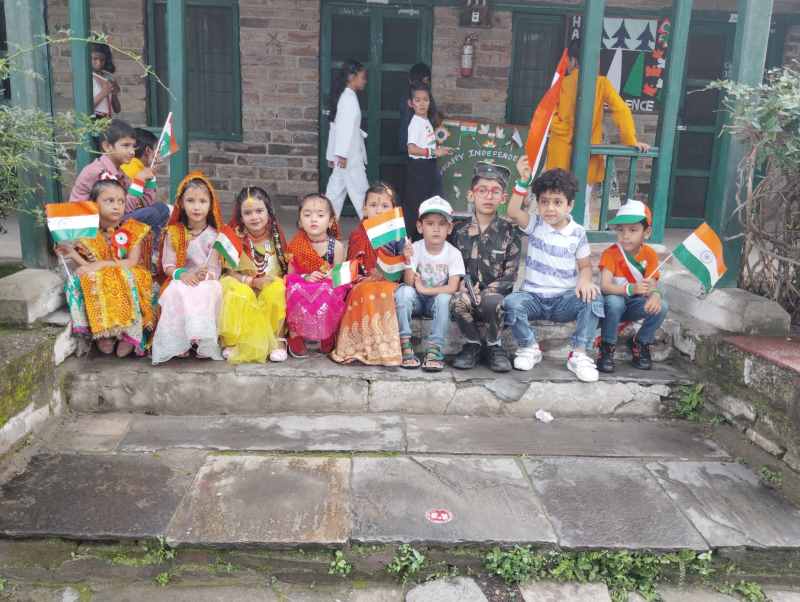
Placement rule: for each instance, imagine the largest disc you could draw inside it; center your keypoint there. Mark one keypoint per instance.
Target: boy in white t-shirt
(433, 272)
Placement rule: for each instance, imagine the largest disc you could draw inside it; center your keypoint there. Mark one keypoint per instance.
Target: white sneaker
(527, 357)
(582, 366)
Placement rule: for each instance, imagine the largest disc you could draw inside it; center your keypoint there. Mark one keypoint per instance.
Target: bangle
(629, 290)
(430, 153)
(521, 187)
(176, 275)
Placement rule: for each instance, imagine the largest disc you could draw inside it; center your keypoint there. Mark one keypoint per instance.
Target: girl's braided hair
(259, 193)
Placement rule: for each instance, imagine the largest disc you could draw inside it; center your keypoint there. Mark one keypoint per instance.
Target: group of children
(279, 296)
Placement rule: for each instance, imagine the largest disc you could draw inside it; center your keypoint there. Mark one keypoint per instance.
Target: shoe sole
(594, 380)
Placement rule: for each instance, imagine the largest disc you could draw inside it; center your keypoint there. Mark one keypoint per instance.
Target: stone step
(318, 385)
(586, 485)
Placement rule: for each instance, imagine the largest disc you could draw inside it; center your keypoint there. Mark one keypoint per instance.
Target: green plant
(158, 552)
(340, 565)
(747, 590)
(3, 584)
(772, 478)
(690, 403)
(163, 579)
(407, 562)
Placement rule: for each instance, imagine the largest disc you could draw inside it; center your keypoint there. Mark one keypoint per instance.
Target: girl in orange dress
(369, 331)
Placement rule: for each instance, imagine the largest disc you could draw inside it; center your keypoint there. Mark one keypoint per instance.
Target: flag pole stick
(66, 268)
(661, 265)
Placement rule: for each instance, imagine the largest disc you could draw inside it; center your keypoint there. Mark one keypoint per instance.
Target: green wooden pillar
(81, 70)
(176, 67)
(30, 87)
(673, 88)
(591, 39)
(749, 59)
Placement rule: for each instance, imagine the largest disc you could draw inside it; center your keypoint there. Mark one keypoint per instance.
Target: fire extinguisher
(468, 55)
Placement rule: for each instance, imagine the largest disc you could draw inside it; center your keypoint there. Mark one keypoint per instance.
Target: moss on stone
(26, 369)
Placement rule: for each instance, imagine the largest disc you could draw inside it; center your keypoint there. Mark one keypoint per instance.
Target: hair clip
(108, 176)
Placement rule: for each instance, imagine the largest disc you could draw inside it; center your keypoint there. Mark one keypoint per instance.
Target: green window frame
(212, 86)
(5, 84)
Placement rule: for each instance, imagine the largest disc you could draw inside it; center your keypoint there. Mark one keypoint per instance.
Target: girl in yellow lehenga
(253, 298)
(116, 289)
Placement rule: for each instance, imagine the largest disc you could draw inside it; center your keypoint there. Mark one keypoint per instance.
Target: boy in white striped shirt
(558, 272)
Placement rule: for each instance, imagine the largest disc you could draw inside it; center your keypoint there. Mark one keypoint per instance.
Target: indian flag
(167, 145)
(702, 255)
(344, 273)
(136, 188)
(635, 269)
(71, 221)
(391, 266)
(386, 227)
(543, 115)
(229, 246)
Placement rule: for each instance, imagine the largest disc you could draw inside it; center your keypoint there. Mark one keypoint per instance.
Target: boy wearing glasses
(490, 246)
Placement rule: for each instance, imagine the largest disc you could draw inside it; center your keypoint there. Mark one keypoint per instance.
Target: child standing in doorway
(422, 180)
(314, 307)
(105, 89)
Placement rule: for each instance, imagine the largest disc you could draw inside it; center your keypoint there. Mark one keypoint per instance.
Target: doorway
(388, 40)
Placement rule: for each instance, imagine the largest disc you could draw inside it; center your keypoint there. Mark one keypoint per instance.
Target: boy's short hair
(144, 139)
(556, 180)
(117, 130)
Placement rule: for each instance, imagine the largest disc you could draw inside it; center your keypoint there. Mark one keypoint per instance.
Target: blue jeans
(630, 309)
(155, 216)
(523, 306)
(410, 303)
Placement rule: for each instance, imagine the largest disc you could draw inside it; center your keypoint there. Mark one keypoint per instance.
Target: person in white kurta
(346, 152)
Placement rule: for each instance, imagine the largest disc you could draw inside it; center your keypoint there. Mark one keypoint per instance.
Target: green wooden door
(695, 177)
(538, 43)
(388, 40)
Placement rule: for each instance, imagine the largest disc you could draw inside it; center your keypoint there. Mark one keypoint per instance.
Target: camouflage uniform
(491, 259)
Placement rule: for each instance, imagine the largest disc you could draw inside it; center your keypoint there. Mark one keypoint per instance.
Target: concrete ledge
(730, 309)
(319, 386)
(29, 295)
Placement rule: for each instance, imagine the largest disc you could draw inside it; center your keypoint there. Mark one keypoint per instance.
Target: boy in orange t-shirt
(629, 281)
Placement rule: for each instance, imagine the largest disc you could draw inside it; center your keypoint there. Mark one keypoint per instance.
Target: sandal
(297, 347)
(434, 359)
(279, 353)
(410, 359)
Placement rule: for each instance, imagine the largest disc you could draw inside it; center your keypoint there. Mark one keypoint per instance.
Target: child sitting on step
(435, 268)
(253, 293)
(314, 307)
(558, 272)
(629, 279)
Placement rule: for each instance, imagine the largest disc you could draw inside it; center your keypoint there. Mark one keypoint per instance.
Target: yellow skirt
(251, 322)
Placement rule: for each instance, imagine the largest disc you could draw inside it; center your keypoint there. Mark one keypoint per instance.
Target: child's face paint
(98, 61)
(111, 205)
(420, 103)
(315, 218)
(554, 207)
(122, 151)
(632, 236)
(377, 204)
(197, 204)
(255, 216)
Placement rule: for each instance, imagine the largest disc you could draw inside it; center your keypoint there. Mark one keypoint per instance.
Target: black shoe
(605, 359)
(468, 357)
(641, 355)
(497, 359)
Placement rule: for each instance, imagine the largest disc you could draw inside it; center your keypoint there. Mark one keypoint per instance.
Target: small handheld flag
(391, 266)
(167, 145)
(702, 255)
(543, 115)
(229, 246)
(344, 273)
(386, 227)
(136, 188)
(71, 221)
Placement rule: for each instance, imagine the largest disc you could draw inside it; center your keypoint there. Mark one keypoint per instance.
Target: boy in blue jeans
(434, 269)
(558, 272)
(629, 279)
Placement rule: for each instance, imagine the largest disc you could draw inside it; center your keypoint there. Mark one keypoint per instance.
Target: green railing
(611, 152)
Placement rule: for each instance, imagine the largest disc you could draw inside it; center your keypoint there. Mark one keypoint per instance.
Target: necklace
(194, 234)
(261, 261)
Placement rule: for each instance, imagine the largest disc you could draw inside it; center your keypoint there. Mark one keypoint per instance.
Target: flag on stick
(229, 246)
(391, 266)
(386, 227)
(543, 115)
(344, 273)
(702, 255)
(136, 188)
(167, 145)
(71, 221)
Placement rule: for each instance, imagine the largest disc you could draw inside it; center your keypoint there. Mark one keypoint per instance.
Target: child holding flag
(253, 292)
(115, 296)
(314, 306)
(629, 278)
(148, 210)
(191, 294)
(369, 332)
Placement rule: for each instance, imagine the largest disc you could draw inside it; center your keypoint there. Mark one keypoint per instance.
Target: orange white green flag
(391, 266)
(702, 255)
(386, 227)
(344, 273)
(71, 221)
(229, 246)
(167, 144)
(543, 115)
